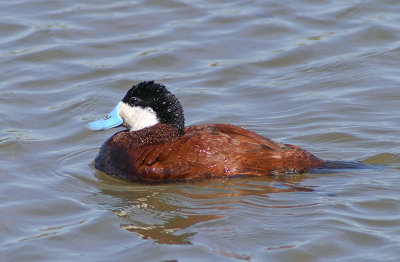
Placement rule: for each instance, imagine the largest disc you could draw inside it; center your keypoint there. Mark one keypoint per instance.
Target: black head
(157, 97)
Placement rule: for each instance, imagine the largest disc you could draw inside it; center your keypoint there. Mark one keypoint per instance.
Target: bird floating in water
(158, 148)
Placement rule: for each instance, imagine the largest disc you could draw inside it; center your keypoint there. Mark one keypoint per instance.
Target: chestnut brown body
(158, 154)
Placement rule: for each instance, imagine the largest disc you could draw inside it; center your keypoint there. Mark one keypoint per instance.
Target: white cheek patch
(136, 118)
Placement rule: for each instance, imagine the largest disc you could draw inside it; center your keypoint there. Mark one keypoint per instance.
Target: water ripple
(321, 75)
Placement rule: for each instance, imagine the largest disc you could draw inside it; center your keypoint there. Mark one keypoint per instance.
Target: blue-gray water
(323, 75)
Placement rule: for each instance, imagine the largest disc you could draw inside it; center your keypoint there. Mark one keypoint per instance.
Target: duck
(156, 147)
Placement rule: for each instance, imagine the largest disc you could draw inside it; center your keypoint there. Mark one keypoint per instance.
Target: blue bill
(111, 120)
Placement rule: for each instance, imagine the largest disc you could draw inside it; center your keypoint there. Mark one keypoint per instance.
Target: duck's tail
(335, 166)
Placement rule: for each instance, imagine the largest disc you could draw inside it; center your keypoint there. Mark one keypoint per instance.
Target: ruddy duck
(158, 148)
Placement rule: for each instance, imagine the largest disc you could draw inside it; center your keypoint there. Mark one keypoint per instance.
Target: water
(322, 75)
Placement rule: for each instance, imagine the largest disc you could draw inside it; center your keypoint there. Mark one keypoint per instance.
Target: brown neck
(159, 133)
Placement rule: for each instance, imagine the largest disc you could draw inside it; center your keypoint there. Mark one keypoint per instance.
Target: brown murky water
(323, 75)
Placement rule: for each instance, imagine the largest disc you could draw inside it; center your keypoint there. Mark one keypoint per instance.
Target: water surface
(323, 75)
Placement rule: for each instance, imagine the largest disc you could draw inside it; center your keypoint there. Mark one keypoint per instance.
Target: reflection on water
(160, 213)
(322, 75)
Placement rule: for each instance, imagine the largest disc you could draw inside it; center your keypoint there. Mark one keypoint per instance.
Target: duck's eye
(132, 100)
